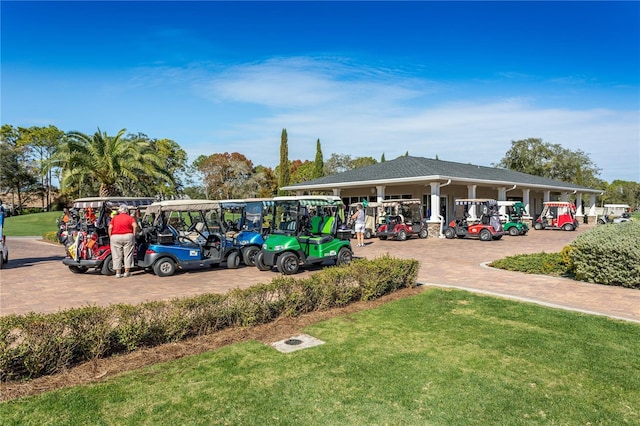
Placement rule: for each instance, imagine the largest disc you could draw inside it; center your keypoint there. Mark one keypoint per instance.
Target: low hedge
(34, 345)
(607, 254)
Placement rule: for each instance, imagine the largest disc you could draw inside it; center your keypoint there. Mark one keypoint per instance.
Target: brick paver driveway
(36, 280)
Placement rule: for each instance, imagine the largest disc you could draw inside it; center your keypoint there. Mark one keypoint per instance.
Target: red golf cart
(487, 228)
(557, 215)
(403, 219)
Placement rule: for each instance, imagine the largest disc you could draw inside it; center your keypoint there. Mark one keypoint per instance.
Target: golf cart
(371, 211)
(615, 213)
(511, 217)
(84, 233)
(305, 230)
(252, 225)
(487, 228)
(557, 215)
(403, 219)
(182, 234)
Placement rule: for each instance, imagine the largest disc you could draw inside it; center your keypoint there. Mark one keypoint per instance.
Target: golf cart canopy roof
(182, 206)
(97, 202)
(475, 201)
(397, 202)
(558, 204)
(623, 206)
(312, 200)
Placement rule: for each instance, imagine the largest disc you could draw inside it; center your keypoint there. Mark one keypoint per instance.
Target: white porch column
(526, 201)
(546, 196)
(579, 211)
(471, 193)
(299, 193)
(380, 193)
(336, 192)
(592, 207)
(502, 193)
(435, 201)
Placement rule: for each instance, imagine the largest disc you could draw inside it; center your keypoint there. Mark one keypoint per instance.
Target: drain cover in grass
(296, 343)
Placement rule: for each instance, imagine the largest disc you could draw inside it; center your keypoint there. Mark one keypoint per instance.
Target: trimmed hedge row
(608, 254)
(34, 345)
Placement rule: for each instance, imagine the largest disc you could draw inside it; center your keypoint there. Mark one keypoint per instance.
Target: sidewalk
(36, 280)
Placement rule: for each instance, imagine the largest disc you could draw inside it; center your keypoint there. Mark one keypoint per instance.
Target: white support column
(579, 212)
(471, 193)
(502, 193)
(592, 207)
(299, 193)
(380, 193)
(435, 201)
(546, 196)
(336, 192)
(526, 201)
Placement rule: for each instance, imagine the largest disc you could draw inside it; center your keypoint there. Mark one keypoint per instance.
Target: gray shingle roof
(419, 167)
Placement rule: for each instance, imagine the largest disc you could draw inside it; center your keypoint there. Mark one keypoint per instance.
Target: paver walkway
(36, 280)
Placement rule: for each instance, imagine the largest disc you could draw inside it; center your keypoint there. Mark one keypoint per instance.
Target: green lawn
(439, 358)
(27, 225)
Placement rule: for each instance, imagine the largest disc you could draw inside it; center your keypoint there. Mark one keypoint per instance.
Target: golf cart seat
(197, 231)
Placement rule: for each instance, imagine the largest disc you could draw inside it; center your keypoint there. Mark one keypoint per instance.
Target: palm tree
(111, 162)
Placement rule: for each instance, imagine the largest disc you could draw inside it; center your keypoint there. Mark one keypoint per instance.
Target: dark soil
(101, 369)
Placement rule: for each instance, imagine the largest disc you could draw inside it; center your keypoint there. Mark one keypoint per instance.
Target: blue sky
(459, 80)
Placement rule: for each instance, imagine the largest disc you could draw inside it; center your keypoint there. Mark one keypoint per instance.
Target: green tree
(535, 157)
(382, 159)
(111, 162)
(283, 175)
(302, 171)
(338, 163)
(227, 175)
(17, 174)
(43, 142)
(318, 165)
(263, 183)
(622, 192)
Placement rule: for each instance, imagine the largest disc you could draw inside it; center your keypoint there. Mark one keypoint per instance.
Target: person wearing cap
(122, 231)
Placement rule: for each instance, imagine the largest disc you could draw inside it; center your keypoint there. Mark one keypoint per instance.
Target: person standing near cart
(359, 218)
(122, 231)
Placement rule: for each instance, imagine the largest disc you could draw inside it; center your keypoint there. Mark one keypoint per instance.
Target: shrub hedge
(33, 345)
(608, 254)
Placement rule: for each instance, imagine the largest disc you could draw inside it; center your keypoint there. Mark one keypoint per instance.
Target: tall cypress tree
(283, 172)
(382, 159)
(318, 164)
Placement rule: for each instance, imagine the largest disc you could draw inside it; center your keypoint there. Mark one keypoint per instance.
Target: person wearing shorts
(122, 231)
(359, 218)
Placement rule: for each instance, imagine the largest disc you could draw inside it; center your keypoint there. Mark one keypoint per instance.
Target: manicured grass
(535, 263)
(27, 225)
(442, 357)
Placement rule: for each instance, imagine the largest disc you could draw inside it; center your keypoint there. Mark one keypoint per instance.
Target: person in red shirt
(122, 231)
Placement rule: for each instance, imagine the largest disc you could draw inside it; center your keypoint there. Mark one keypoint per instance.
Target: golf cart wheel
(345, 256)
(538, 226)
(402, 235)
(107, 266)
(423, 233)
(513, 231)
(249, 255)
(449, 233)
(524, 232)
(164, 267)
(601, 222)
(288, 263)
(497, 237)
(485, 235)
(568, 227)
(78, 269)
(233, 260)
(367, 234)
(260, 262)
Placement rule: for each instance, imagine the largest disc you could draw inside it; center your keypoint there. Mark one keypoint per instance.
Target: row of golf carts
(286, 232)
(283, 232)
